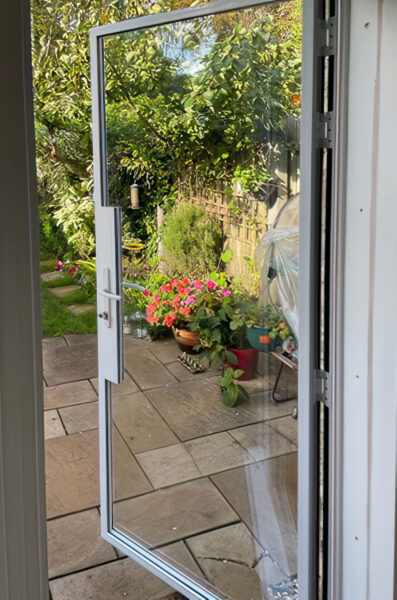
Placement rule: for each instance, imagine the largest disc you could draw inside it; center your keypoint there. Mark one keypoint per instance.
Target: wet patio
(211, 487)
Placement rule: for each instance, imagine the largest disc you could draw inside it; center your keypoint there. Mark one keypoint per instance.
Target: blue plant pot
(259, 339)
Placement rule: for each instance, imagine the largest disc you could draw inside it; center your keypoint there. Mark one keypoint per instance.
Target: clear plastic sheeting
(277, 262)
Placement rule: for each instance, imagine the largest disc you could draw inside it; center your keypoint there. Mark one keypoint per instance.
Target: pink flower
(146, 293)
(169, 320)
(198, 284)
(73, 270)
(211, 285)
(59, 265)
(190, 299)
(225, 292)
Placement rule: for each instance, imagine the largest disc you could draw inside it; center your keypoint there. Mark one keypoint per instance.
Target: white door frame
(23, 543)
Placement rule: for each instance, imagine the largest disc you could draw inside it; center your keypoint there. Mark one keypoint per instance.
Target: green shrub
(192, 242)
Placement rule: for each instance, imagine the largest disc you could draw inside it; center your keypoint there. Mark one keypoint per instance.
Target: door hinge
(326, 37)
(322, 387)
(325, 129)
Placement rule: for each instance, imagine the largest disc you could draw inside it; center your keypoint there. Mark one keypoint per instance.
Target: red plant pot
(247, 360)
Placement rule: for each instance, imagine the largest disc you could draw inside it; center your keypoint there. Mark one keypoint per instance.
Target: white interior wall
(370, 304)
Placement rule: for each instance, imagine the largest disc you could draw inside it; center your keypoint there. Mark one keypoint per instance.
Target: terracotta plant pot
(185, 339)
(247, 360)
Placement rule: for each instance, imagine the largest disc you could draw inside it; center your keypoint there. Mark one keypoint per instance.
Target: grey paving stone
(179, 555)
(119, 580)
(218, 452)
(75, 543)
(81, 417)
(68, 394)
(169, 465)
(128, 386)
(81, 309)
(72, 473)
(51, 276)
(195, 408)
(63, 290)
(262, 442)
(287, 426)
(70, 363)
(146, 370)
(52, 425)
(139, 424)
(81, 338)
(229, 558)
(54, 342)
(265, 496)
(174, 513)
(166, 351)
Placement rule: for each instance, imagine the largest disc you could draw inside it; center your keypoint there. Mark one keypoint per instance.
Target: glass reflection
(202, 124)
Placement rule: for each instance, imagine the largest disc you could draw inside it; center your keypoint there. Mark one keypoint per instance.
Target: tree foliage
(163, 117)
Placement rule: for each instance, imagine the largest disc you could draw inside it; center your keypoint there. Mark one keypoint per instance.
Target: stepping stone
(195, 408)
(179, 553)
(70, 363)
(217, 452)
(140, 425)
(64, 290)
(128, 386)
(67, 394)
(174, 513)
(146, 370)
(167, 466)
(235, 563)
(119, 580)
(262, 442)
(75, 543)
(72, 473)
(52, 425)
(82, 417)
(52, 276)
(74, 339)
(265, 497)
(81, 309)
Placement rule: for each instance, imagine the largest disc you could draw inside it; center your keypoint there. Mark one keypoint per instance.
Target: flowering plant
(176, 301)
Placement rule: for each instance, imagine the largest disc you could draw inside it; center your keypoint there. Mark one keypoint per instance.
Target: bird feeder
(134, 196)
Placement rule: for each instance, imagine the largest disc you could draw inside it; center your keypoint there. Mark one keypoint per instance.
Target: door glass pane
(202, 122)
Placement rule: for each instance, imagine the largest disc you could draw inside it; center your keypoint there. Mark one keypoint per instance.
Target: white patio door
(208, 496)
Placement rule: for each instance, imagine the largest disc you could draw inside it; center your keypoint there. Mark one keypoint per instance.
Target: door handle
(109, 295)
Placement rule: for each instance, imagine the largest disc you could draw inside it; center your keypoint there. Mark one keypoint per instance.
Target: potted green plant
(265, 327)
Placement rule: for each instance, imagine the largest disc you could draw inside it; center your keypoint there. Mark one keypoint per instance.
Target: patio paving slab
(119, 580)
(217, 452)
(68, 394)
(287, 426)
(166, 351)
(75, 543)
(174, 513)
(128, 386)
(229, 558)
(70, 363)
(54, 342)
(167, 466)
(74, 339)
(262, 442)
(52, 425)
(183, 374)
(179, 554)
(265, 496)
(195, 408)
(139, 424)
(146, 370)
(64, 290)
(82, 417)
(72, 473)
